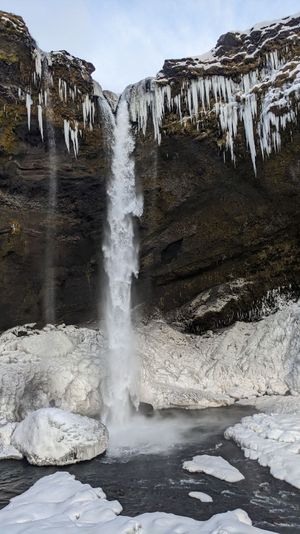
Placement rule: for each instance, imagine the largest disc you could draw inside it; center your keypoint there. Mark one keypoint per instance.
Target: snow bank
(58, 503)
(51, 436)
(273, 403)
(273, 440)
(215, 466)
(58, 366)
(64, 366)
(203, 497)
(244, 360)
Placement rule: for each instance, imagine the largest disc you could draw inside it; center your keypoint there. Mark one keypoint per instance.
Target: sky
(128, 40)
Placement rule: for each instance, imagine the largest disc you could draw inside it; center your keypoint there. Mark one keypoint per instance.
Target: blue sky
(128, 40)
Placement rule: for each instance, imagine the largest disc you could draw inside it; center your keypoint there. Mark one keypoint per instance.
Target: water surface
(147, 474)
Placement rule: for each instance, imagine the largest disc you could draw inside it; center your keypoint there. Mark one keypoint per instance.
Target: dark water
(157, 482)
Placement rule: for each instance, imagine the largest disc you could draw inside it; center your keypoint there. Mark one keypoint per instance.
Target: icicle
(67, 134)
(40, 120)
(74, 138)
(248, 112)
(38, 58)
(29, 103)
(88, 112)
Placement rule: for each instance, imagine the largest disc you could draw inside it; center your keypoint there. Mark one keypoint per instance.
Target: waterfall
(49, 260)
(121, 264)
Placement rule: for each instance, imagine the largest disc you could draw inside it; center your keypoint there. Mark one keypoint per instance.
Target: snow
(203, 497)
(244, 360)
(273, 403)
(7, 450)
(51, 436)
(274, 441)
(64, 366)
(215, 466)
(60, 367)
(59, 503)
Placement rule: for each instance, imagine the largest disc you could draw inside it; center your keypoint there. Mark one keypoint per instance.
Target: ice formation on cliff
(265, 100)
(37, 94)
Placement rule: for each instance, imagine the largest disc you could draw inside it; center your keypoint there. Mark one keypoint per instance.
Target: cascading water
(49, 262)
(121, 264)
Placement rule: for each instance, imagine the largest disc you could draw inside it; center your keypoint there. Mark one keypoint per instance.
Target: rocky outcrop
(216, 157)
(28, 78)
(208, 222)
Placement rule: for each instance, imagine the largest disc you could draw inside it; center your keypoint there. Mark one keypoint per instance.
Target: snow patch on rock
(215, 466)
(51, 436)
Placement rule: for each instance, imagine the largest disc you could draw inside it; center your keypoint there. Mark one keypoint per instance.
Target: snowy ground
(58, 503)
(63, 366)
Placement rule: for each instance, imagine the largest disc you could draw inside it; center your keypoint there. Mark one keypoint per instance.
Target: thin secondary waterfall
(49, 264)
(121, 264)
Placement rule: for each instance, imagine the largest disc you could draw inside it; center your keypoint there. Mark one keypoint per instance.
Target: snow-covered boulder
(51, 436)
(59, 504)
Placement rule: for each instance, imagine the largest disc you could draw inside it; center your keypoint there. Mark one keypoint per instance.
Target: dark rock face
(24, 185)
(207, 223)
(214, 239)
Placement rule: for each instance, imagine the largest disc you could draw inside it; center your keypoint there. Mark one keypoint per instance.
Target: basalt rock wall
(221, 226)
(25, 167)
(217, 159)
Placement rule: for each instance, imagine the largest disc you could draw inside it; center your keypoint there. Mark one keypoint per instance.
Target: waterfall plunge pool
(145, 474)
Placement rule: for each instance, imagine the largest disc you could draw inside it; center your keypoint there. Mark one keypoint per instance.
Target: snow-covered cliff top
(236, 50)
(251, 79)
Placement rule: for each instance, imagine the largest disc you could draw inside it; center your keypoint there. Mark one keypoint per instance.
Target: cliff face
(40, 94)
(220, 232)
(217, 158)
